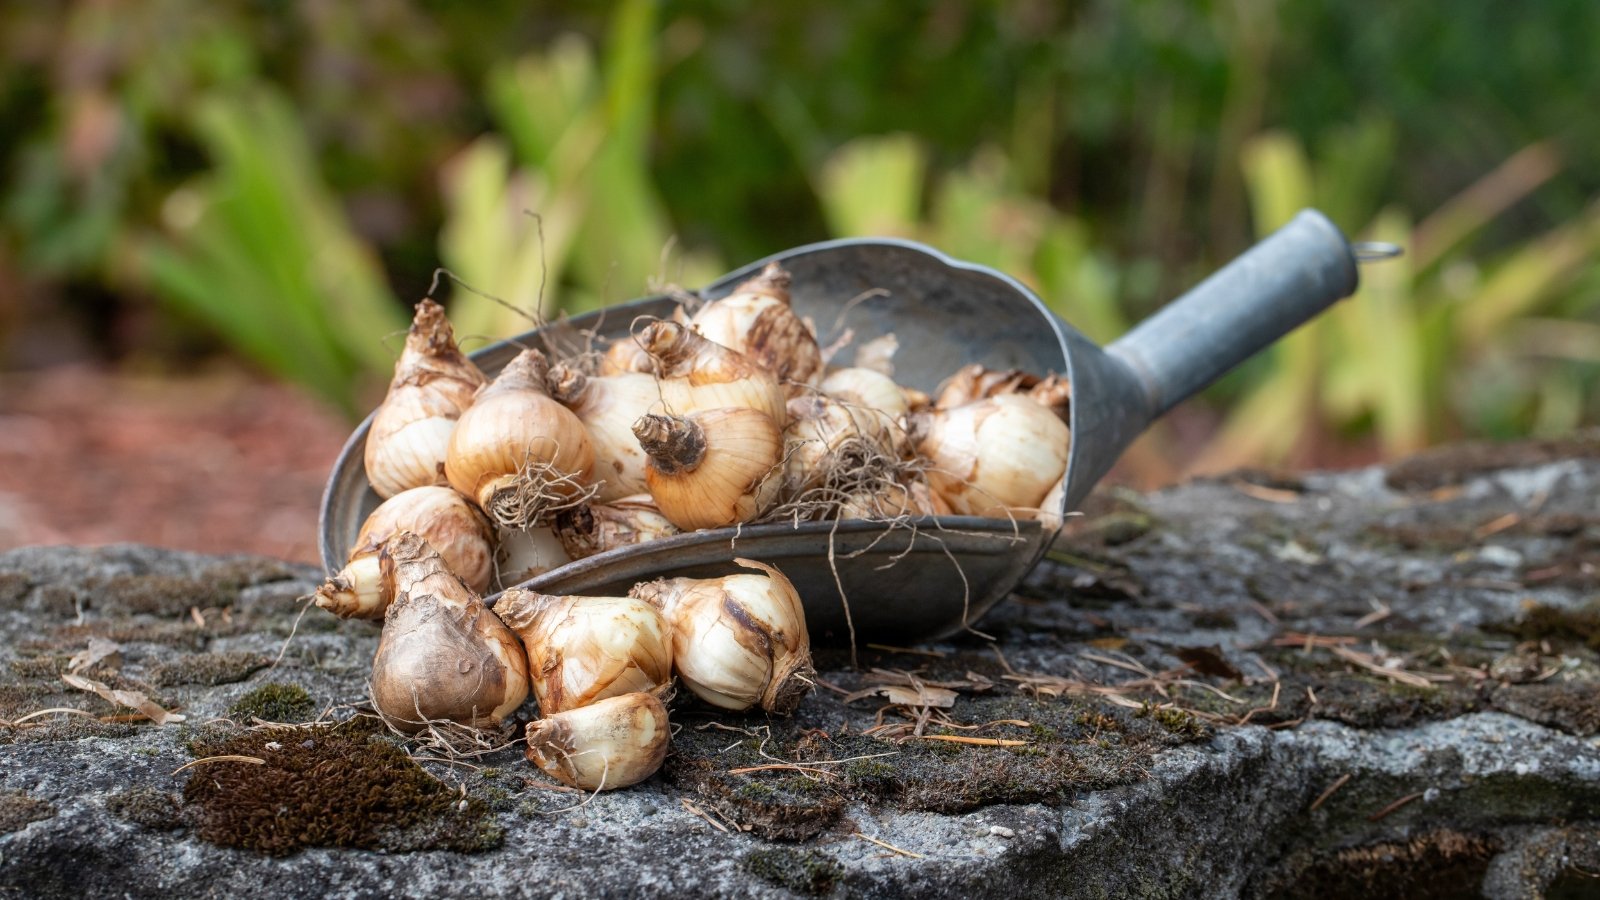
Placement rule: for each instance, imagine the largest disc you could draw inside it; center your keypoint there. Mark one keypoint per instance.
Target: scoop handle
(1274, 287)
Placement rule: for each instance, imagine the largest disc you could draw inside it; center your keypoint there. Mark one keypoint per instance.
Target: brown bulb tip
(430, 330)
(528, 370)
(673, 443)
(567, 384)
(786, 691)
(669, 342)
(328, 596)
(518, 608)
(406, 546)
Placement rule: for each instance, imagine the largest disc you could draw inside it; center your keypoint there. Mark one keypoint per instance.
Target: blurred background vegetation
(280, 180)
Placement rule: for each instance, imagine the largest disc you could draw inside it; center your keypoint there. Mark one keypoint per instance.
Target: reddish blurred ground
(220, 463)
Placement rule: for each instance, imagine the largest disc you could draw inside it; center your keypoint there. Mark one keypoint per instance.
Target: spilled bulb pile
(724, 417)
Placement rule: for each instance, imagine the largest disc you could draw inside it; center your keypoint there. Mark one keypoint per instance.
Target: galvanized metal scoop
(938, 575)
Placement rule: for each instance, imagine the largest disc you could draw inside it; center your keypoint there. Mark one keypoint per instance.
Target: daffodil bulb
(608, 406)
(603, 746)
(597, 527)
(528, 552)
(697, 374)
(584, 649)
(518, 453)
(758, 321)
(994, 457)
(713, 468)
(825, 444)
(443, 654)
(878, 404)
(433, 383)
(737, 641)
(444, 518)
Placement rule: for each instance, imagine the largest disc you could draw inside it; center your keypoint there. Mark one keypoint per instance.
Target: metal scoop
(935, 576)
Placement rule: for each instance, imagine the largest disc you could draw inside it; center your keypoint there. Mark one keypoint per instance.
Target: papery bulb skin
(625, 356)
(433, 384)
(1054, 393)
(585, 649)
(697, 374)
(442, 517)
(994, 457)
(757, 320)
(528, 553)
(610, 744)
(608, 406)
(877, 403)
(598, 527)
(443, 655)
(1051, 512)
(517, 453)
(714, 468)
(738, 641)
(977, 382)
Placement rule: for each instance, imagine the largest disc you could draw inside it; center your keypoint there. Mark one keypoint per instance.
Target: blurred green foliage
(289, 175)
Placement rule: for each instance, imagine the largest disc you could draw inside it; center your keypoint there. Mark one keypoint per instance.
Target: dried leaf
(130, 699)
(99, 649)
(903, 695)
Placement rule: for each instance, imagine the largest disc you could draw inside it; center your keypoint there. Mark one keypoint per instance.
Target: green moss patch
(274, 703)
(17, 810)
(1573, 707)
(1066, 747)
(801, 871)
(147, 807)
(13, 587)
(1440, 864)
(336, 786)
(1552, 623)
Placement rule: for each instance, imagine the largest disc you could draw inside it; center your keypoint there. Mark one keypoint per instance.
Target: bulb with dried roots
(738, 641)
(433, 384)
(584, 649)
(443, 654)
(442, 517)
(993, 457)
(517, 453)
(603, 746)
(714, 468)
(758, 321)
(598, 527)
(697, 374)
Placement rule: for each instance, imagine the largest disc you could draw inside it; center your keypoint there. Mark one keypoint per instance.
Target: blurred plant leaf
(1528, 276)
(873, 186)
(262, 252)
(491, 242)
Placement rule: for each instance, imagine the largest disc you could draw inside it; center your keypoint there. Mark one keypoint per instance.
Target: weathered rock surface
(1377, 683)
